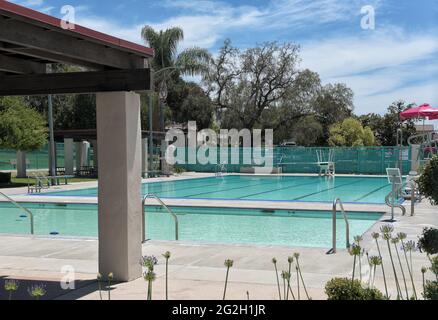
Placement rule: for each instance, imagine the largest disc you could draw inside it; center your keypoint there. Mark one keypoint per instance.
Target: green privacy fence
(360, 160)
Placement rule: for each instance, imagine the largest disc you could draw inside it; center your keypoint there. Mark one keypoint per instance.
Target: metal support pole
(413, 198)
(394, 191)
(151, 135)
(52, 148)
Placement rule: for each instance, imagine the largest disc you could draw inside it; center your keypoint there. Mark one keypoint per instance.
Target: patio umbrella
(424, 112)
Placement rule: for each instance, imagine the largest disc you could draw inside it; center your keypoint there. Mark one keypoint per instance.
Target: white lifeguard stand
(326, 163)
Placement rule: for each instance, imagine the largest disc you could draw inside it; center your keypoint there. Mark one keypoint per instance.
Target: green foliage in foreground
(428, 182)
(431, 290)
(428, 241)
(345, 289)
(21, 128)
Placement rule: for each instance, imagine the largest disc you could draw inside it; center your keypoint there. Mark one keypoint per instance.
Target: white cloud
(380, 67)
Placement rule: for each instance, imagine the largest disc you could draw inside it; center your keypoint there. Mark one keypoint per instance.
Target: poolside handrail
(175, 218)
(27, 211)
(337, 202)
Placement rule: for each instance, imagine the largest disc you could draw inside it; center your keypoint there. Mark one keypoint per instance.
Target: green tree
(188, 102)
(167, 63)
(21, 128)
(333, 104)
(350, 133)
(385, 127)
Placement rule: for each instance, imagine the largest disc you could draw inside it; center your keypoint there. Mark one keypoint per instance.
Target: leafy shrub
(428, 182)
(5, 178)
(345, 289)
(179, 170)
(428, 241)
(431, 290)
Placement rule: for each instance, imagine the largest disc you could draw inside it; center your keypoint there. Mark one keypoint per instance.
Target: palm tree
(168, 62)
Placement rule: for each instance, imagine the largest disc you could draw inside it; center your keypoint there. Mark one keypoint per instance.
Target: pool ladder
(27, 211)
(337, 202)
(175, 218)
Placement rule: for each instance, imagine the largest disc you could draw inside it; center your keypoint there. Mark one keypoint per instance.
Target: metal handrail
(22, 208)
(334, 212)
(395, 193)
(175, 218)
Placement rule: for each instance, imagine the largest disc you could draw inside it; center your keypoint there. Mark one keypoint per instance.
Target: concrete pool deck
(196, 270)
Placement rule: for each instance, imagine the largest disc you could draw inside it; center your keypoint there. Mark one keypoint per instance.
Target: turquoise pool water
(211, 225)
(268, 188)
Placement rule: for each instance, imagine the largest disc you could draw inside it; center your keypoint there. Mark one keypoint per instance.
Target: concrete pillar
(78, 161)
(68, 157)
(82, 149)
(415, 152)
(119, 140)
(145, 157)
(95, 156)
(21, 164)
(165, 168)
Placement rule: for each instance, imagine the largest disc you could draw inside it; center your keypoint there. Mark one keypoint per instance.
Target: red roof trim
(55, 22)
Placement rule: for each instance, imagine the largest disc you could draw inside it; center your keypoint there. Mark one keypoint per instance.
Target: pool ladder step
(337, 202)
(174, 216)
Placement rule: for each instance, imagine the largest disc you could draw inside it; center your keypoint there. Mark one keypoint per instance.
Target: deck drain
(54, 233)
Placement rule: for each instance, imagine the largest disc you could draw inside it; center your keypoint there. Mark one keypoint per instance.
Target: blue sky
(396, 60)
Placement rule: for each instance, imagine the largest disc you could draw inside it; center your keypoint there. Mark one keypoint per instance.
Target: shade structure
(424, 111)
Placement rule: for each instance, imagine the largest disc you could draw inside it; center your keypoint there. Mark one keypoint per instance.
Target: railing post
(334, 226)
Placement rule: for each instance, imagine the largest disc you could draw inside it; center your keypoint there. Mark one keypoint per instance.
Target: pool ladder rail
(27, 211)
(337, 202)
(175, 218)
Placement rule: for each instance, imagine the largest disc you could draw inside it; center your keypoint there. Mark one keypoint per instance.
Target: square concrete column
(95, 156)
(78, 159)
(165, 168)
(415, 152)
(119, 140)
(21, 164)
(145, 157)
(68, 156)
(82, 149)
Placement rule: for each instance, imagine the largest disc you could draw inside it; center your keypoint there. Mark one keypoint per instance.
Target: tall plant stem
(298, 283)
(99, 285)
(167, 278)
(278, 281)
(354, 270)
(410, 272)
(383, 269)
(399, 293)
(109, 289)
(226, 282)
(302, 280)
(424, 284)
(360, 267)
(402, 271)
(150, 290)
(284, 289)
(288, 284)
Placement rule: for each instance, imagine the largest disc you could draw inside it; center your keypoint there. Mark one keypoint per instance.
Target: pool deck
(196, 270)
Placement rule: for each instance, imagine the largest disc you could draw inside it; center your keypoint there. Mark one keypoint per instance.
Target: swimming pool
(209, 225)
(266, 188)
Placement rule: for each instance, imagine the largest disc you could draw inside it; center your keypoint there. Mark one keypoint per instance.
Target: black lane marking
(244, 186)
(290, 187)
(312, 194)
(370, 193)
